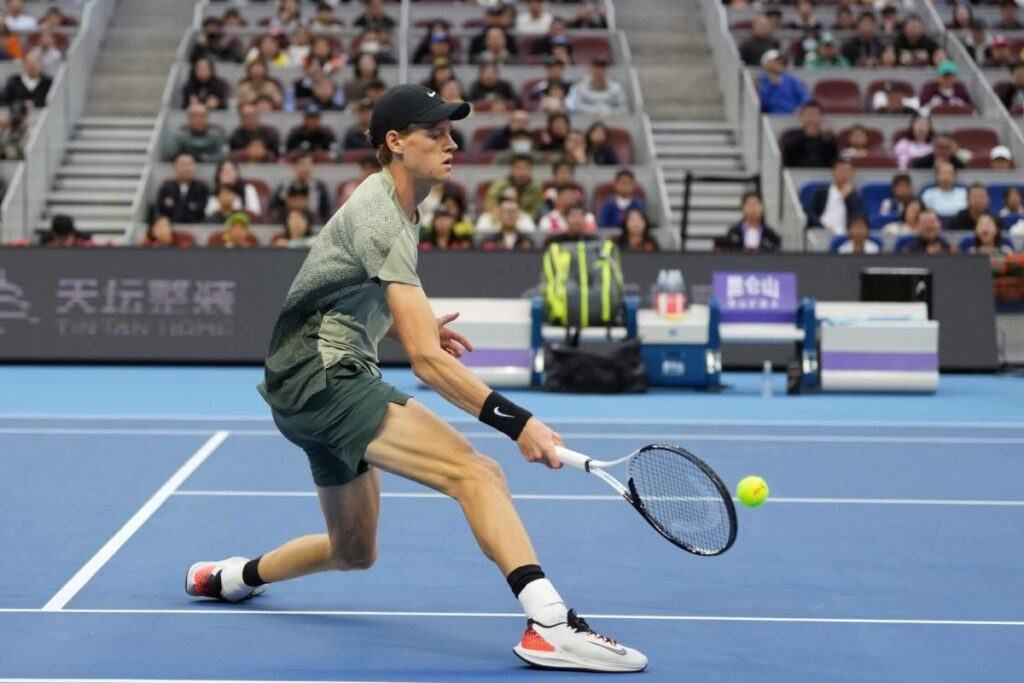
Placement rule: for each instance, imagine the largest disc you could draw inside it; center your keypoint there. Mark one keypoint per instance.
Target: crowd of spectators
(333, 79)
(840, 38)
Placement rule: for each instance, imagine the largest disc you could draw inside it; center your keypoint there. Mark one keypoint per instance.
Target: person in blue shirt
(614, 208)
(780, 92)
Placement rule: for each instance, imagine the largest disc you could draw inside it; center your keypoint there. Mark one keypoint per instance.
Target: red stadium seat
(60, 41)
(354, 156)
(838, 96)
(263, 191)
(345, 190)
(319, 156)
(484, 157)
(979, 163)
(586, 48)
(621, 141)
(979, 141)
(528, 87)
(874, 161)
(499, 106)
(217, 240)
(604, 190)
(875, 138)
(480, 136)
(952, 110)
(905, 87)
(480, 195)
(238, 156)
(424, 23)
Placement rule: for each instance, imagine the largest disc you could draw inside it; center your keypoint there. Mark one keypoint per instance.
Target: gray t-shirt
(335, 312)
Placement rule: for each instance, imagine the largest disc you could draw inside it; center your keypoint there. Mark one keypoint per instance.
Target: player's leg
(414, 443)
(350, 511)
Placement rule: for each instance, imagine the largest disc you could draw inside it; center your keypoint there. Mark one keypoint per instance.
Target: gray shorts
(336, 425)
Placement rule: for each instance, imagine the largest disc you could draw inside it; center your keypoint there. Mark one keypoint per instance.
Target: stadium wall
(209, 306)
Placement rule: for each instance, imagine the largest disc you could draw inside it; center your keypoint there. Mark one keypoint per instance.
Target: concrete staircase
(702, 148)
(138, 52)
(670, 51)
(100, 173)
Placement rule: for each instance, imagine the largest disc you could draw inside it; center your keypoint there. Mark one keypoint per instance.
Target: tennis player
(324, 387)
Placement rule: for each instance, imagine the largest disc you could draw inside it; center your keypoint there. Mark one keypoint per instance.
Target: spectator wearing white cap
(1002, 159)
(780, 93)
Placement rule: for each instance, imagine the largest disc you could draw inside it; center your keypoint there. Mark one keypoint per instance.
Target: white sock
(542, 602)
(232, 585)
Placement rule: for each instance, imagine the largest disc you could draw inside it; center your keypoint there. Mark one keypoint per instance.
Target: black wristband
(504, 415)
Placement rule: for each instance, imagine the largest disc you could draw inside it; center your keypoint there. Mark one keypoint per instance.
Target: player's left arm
(452, 342)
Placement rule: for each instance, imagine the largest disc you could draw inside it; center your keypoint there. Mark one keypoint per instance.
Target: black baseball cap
(406, 104)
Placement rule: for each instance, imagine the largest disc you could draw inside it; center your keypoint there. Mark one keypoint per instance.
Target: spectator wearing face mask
(614, 208)
(520, 144)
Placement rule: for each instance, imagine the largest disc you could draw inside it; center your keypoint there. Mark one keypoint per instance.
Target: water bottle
(289, 99)
(766, 381)
(671, 296)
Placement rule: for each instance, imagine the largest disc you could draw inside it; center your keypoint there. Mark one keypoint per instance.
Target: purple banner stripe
(758, 316)
(491, 358)
(869, 360)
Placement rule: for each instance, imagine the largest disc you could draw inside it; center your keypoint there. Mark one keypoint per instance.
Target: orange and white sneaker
(570, 644)
(220, 580)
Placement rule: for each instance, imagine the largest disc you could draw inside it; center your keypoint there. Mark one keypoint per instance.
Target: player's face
(427, 151)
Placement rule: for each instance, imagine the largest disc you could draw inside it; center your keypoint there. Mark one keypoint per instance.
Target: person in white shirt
(945, 198)
(831, 207)
(554, 221)
(597, 94)
(535, 20)
(17, 20)
(857, 241)
(490, 221)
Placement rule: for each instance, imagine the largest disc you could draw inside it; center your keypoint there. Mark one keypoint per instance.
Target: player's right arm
(416, 328)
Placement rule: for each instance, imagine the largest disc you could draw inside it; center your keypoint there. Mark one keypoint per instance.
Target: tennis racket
(675, 491)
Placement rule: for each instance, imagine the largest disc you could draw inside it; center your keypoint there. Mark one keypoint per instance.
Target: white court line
(82, 577)
(175, 680)
(595, 436)
(866, 424)
(574, 497)
(518, 615)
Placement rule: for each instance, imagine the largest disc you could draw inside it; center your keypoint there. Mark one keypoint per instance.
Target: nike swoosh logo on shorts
(431, 93)
(497, 411)
(616, 650)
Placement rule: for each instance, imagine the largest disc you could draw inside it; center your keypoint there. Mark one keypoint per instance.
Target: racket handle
(577, 460)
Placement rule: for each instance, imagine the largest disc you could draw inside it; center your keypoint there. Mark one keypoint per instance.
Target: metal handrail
(690, 178)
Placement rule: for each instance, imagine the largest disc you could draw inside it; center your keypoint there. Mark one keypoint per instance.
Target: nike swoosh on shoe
(616, 650)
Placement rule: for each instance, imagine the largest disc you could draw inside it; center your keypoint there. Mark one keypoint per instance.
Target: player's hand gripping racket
(680, 496)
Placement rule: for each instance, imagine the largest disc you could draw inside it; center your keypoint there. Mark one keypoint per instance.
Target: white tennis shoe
(570, 644)
(220, 580)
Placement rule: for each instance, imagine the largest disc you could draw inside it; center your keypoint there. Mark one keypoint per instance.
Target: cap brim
(446, 111)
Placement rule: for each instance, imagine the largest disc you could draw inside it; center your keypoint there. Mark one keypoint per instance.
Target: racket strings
(682, 499)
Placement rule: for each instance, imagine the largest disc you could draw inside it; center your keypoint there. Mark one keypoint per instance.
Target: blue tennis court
(890, 550)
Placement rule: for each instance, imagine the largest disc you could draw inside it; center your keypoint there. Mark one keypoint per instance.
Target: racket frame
(597, 467)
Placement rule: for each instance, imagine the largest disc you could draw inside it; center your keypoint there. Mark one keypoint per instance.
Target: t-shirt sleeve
(400, 263)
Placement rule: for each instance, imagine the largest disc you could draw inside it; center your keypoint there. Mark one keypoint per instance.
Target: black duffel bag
(613, 367)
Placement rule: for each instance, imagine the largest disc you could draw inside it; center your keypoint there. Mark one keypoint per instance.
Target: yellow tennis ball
(752, 491)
